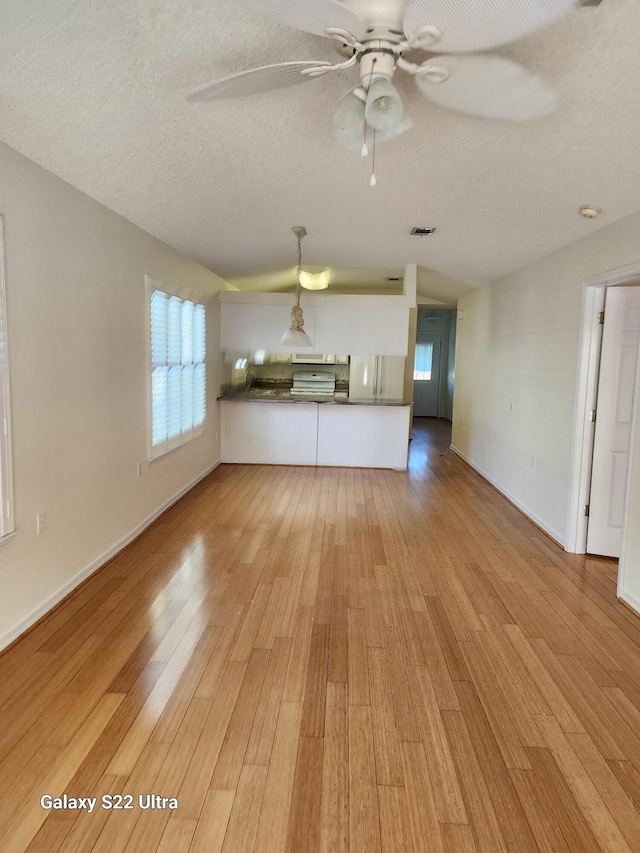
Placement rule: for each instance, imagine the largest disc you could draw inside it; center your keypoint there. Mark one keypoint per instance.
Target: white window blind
(422, 362)
(6, 484)
(178, 372)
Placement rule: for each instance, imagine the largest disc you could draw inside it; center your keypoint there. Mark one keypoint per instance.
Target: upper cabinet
(336, 323)
(361, 331)
(247, 328)
(357, 331)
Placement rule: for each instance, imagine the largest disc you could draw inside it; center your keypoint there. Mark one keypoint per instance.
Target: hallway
(331, 659)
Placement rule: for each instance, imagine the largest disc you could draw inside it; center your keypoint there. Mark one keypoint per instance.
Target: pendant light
(312, 280)
(295, 336)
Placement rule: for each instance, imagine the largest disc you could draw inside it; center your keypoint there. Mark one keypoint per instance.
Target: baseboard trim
(43, 609)
(552, 534)
(629, 601)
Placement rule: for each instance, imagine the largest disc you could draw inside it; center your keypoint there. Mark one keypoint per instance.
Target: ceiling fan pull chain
(365, 148)
(372, 179)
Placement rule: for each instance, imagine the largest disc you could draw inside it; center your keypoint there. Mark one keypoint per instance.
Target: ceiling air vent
(422, 232)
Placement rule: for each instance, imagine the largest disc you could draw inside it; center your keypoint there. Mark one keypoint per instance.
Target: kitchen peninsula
(332, 432)
(269, 411)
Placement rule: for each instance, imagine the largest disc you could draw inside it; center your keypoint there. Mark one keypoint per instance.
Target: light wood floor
(324, 659)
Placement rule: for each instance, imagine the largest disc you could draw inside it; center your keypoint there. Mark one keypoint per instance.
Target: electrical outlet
(41, 522)
(139, 469)
(217, 435)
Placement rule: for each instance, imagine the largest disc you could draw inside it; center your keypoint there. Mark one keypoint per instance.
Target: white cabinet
(269, 433)
(315, 434)
(364, 436)
(246, 327)
(362, 331)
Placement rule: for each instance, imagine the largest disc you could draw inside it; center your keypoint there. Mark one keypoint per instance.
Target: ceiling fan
(375, 35)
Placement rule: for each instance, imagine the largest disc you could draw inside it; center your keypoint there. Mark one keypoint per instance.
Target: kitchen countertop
(285, 397)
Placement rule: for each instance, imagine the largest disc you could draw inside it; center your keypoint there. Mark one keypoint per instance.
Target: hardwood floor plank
(276, 806)
(214, 819)
(560, 705)
(364, 821)
(385, 735)
(338, 640)
(335, 806)
(242, 828)
(297, 670)
(553, 786)
(496, 708)
(458, 838)
(313, 707)
(593, 807)
(395, 836)
(32, 815)
(265, 721)
(479, 807)
(611, 791)
(357, 659)
(424, 826)
(406, 718)
(304, 820)
(232, 753)
(447, 793)
(548, 834)
(195, 784)
(506, 801)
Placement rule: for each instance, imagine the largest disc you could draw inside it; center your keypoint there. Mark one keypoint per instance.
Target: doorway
(613, 416)
(432, 367)
(595, 290)
(426, 375)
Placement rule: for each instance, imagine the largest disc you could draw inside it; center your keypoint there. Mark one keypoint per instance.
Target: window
(178, 372)
(6, 485)
(422, 362)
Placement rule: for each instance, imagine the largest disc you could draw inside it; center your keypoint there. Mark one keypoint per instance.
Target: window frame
(156, 452)
(7, 520)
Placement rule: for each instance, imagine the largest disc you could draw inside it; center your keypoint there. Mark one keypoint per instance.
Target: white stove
(313, 384)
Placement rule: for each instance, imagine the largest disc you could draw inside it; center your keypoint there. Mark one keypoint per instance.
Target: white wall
(516, 368)
(77, 341)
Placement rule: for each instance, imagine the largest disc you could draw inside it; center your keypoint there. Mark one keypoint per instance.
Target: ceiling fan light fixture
(404, 124)
(383, 110)
(348, 118)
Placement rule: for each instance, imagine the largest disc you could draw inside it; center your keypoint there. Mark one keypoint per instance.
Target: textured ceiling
(95, 91)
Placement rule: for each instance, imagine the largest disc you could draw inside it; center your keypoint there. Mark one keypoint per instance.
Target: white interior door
(426, 375)
(618, 364)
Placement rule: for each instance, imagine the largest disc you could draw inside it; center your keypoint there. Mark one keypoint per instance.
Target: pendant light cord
(298, 289)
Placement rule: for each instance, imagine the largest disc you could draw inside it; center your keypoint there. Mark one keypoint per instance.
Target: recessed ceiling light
(422, 232)
(589, 212)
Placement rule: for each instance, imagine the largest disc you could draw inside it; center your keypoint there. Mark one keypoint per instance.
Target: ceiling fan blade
(257, 80)
(313, 16)
(486, 86)
(469, 25)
